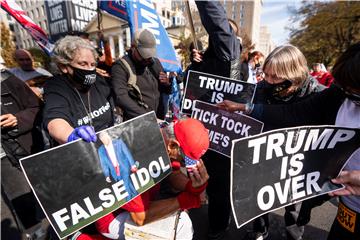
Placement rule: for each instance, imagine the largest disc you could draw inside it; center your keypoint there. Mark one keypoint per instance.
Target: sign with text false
(224, 126)
(281, 167)
(214, 89)
(79, 182)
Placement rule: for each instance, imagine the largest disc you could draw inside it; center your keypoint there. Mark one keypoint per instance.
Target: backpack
(133, 88)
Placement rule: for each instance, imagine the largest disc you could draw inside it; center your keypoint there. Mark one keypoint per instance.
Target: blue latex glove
(87, 133)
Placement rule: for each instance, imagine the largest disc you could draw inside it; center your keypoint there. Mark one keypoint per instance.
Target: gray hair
(66, 48)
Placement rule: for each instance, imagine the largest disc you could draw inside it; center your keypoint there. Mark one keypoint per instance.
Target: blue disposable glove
(87, 133)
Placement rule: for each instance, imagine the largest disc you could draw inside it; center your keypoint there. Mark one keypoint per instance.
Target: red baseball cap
(192, 136)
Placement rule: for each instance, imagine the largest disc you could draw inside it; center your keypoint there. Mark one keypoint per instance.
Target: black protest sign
(281, 167)
(224, 126)
(79, 182)
(214, 89)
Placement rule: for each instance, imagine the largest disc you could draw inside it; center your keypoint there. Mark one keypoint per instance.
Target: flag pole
(191, 24)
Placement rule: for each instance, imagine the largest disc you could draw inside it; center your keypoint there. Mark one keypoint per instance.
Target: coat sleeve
(319, 108)
(30, 104)
(223, 39)
(119, 79)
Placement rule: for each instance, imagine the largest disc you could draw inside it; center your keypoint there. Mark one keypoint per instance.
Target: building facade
(247, 15)
(266, 45)
(35, 9)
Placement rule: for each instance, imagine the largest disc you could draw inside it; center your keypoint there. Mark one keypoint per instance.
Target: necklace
(87, 110)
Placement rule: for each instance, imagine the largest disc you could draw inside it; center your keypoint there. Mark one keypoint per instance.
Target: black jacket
(222, 57)
(18, 99)
(148, 83)
(318, 109)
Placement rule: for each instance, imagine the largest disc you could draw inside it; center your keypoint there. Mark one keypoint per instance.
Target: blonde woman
(287, 80)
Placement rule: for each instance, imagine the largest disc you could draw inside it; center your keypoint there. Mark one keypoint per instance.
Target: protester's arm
(119, 79)
(320, 108)
(351, 180)
(24, 119)
(214, 19)
(60, 130)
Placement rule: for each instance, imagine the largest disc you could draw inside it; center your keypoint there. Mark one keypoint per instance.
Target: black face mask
(257, 65)
(276, 90)
(84, 77)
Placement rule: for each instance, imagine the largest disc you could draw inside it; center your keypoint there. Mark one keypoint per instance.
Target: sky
(275, 15)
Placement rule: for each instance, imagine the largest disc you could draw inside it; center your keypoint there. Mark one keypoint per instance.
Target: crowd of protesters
(41, 110)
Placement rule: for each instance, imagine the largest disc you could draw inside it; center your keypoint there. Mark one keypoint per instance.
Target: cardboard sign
(214, 89)
(224, 126)
(281, 167)
(79, 182)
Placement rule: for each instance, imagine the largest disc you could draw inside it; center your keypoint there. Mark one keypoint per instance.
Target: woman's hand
(231, 106)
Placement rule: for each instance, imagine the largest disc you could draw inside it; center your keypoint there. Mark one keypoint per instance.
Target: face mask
(278, 88)
(257, 65)
(84, 77)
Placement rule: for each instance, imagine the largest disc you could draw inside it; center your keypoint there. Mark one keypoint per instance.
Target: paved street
(317, 229)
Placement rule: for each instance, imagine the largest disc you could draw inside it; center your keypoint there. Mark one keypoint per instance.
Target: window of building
(163, 13)
(42, 11)
(167, 14)
(36, 12)
(45, 24)
(241, 22)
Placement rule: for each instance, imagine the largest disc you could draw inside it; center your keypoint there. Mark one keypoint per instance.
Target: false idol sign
(281, 167)
(79, 182)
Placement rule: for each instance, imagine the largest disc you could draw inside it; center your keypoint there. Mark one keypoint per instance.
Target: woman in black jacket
(287, 80)
(339, 105)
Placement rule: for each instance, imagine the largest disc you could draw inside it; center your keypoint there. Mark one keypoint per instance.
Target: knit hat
(145, 43)
(193, 138)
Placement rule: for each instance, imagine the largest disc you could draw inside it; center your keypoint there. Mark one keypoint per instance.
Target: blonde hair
(66, 48)
(287, 62)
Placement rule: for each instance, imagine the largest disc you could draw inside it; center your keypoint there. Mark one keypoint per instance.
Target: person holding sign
(222, 58)
(138, 78)
(78, 102)
(351, 180)
(339, 105)
(144, 213)
(287, 80)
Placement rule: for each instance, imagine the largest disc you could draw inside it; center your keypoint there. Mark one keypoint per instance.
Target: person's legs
(116, 227)
(346, 224)
(218, 190)
(293, 231)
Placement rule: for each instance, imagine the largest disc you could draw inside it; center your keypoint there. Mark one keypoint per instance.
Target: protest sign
(224, 126)
(214, 89)
(79, 182)
(281, 167)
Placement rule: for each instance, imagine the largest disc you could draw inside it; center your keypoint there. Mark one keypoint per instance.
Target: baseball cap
(193, 138)
(145, 43)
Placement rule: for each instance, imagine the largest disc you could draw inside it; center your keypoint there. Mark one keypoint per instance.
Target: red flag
(12, 8)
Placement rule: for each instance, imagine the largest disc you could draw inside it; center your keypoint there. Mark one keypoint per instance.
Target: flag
(116, 8)
(142, 14)
(36, 32)
(174, 99)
